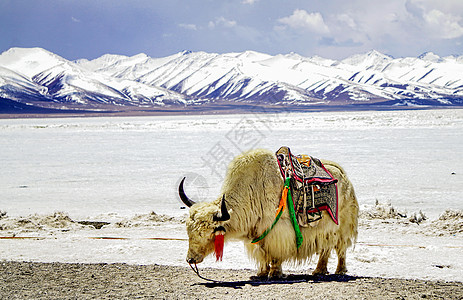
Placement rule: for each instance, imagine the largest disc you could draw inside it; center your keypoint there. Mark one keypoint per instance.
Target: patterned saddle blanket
(313, 188)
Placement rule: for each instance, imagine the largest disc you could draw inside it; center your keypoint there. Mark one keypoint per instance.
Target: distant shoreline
(32, 280)
(230, 109)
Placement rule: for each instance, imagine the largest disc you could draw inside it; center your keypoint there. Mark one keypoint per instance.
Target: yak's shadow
(289, 279)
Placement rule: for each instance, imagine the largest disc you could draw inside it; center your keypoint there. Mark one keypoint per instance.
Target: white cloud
(221, 21)
(249, 1)
(75, 20)
(188, 26)
(301, 19)
(447, 6)
(347, 20)
(446, 25)
(438, 19)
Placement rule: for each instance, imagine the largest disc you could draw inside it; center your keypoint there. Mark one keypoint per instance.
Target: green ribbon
(268, 229)
(292, 215)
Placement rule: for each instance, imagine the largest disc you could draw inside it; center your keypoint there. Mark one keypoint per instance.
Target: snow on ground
(406, 168)
(390, 243)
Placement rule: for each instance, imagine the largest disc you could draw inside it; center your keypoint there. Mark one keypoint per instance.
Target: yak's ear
(223, 214)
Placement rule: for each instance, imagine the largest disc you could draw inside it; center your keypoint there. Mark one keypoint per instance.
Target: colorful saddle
(313, 188)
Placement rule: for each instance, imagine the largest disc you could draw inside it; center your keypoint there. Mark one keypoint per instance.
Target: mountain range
(34, 77)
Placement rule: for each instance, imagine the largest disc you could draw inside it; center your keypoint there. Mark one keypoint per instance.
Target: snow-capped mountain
(59, 81)
(42, 78)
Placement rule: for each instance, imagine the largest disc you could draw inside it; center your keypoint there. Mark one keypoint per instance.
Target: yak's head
(205, 226)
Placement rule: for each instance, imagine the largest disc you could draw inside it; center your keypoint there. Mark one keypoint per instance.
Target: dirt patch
(26, 280)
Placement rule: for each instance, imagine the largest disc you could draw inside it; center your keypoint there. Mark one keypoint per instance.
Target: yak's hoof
(341, 272)
(320, 272)
(259, 277)
(277, 277)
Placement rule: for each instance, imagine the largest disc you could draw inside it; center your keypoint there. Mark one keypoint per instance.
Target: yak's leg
(264, 269)
(275, 269)
(258, 254)
(322, 266)
(341, 268)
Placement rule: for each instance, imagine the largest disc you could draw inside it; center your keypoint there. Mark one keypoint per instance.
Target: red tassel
(218, 243)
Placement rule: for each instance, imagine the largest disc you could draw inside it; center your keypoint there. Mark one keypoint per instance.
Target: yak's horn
(188, 202)
(223, 215)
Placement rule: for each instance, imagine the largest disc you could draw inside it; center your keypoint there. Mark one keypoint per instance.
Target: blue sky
(328, 28)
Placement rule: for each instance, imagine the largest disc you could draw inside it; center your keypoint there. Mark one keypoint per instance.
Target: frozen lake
(121, 169)
(92, 166)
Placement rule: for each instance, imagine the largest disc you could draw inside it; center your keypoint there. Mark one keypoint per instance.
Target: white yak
(247, 206)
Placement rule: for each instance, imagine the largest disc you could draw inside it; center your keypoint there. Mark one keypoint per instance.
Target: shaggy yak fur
(252, 191)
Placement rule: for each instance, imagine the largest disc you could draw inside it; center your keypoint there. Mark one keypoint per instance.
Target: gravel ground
(27, 280)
